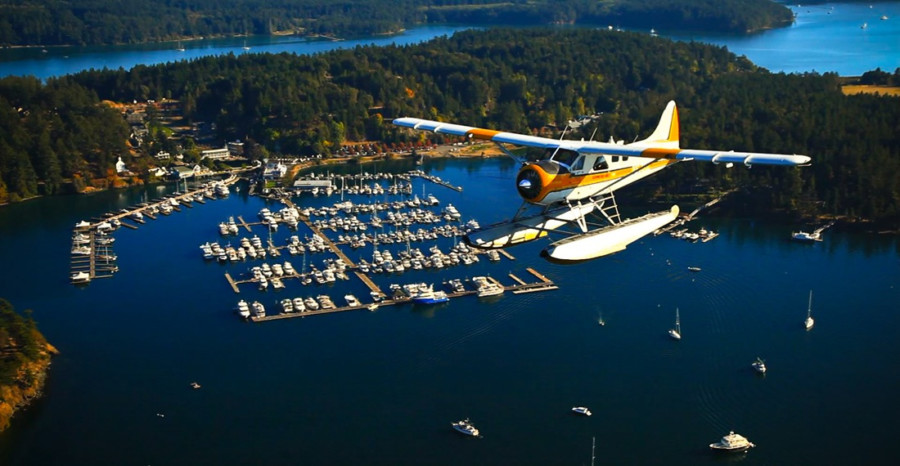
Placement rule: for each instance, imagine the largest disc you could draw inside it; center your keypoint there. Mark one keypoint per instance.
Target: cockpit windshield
(564, 157)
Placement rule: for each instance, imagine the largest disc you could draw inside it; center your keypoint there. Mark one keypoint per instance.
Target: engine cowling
(534, 178)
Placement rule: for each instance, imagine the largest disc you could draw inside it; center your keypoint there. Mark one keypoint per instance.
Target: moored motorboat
(465, 427)
(806, 237)
(243, 309)
(581, 410)
(759, 365)
(81, 277)
(732, 443)
(258, 309)
(485, 286)
(427, 295)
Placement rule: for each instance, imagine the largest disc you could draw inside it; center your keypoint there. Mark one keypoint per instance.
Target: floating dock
(544, 284)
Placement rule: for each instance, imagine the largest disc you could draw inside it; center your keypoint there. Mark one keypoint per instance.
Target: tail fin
(666, 133)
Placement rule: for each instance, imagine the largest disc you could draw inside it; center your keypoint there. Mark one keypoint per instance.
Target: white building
(215, 154)
(273, 171)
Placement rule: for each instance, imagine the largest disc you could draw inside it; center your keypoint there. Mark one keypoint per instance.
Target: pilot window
(600, 163)
(579, 164)
(565, 157)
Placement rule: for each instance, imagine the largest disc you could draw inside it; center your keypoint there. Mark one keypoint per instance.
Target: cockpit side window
(565, 157)
(601, 164)
(579, 164)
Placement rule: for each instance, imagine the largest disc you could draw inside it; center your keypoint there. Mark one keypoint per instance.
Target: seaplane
(574, 181)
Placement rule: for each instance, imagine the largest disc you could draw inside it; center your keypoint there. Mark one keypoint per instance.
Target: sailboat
(809, 320)
(676, 332)
(180, 47)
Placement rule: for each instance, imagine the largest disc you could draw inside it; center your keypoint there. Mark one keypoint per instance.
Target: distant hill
(92, 22)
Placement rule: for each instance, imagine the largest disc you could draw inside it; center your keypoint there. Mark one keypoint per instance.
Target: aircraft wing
(663, 144)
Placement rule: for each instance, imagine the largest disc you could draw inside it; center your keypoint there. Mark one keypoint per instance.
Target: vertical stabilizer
(666, 133)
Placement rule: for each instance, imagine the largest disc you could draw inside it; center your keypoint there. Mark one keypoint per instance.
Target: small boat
(806, 237)
(81, 277)
(465, 427)
(676, 332)
(809, 322)
(258, 309)
(759, 366)
(694, 269)
(372, 307)
(485, 287)
(732, 443)
(195, 385)
(429, 296)
(243, 309)
(351, 300)
(581, 410)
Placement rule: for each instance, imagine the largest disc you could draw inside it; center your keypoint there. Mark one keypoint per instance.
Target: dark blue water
(383, 387)
(824, 38)
(57, 61)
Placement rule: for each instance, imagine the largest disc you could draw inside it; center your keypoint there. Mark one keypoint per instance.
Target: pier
(92, 255)
(543, 284)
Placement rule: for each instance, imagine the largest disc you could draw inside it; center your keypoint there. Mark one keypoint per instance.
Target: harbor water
(383, 387)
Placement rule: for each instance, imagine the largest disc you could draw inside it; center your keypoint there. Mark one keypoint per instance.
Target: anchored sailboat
(676, 332)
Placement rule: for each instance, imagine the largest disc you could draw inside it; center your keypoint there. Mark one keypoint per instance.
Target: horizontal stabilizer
(523, 230)
(607, 240)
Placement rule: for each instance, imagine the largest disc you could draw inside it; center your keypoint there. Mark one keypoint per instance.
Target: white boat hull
(608, 240)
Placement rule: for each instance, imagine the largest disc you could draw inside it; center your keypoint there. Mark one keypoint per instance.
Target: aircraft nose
(529, 183)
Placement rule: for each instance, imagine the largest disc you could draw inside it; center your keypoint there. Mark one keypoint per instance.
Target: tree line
(531, 81)
(93, 22)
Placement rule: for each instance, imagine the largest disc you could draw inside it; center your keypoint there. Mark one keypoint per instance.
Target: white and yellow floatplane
(574, 181)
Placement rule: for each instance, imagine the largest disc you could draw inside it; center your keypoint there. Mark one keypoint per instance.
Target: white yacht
(298, 305)
(581, 410)
(81, 277)
(676, 332)
(759, 365)
(243, 309)
(484, 287)
(732, 442)
(465, 427)
(807, 237)
(351, 300)
(287, 305)
(258, 309)
(809, 320)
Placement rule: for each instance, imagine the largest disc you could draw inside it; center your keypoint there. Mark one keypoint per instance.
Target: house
(163, 156)
(183, 171)
(274, 171)
(235, 148)
(120, 168)
(215, 154)
(158, 172)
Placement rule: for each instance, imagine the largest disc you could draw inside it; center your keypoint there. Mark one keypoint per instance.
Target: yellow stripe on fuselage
(568, 181)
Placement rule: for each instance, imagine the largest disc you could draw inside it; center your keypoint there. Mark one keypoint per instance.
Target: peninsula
(24, 361)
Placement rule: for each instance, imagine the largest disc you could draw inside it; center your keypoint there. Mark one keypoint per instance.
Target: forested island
(533, 81)
(24, 360)
(95, 22)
